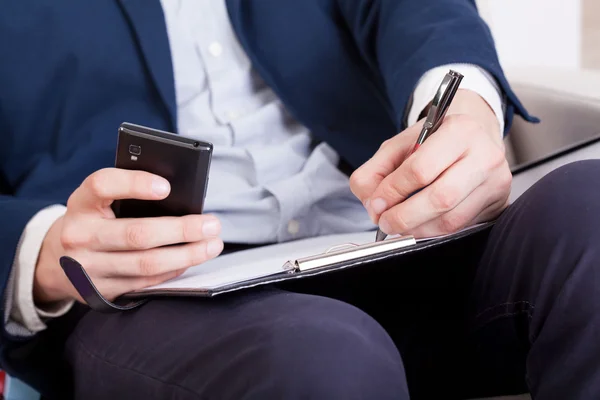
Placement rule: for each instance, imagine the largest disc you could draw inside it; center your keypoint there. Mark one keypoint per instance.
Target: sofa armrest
(568, 105)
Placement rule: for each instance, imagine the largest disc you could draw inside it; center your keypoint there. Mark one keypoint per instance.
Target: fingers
(447, 192)
(492, 211)
(101, 188)
(390, 155)
(423, 167)
(456, 219)
(483, 204)
(147, 233)
(157, 261)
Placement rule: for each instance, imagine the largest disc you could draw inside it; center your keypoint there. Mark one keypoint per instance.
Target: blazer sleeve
(403, 39)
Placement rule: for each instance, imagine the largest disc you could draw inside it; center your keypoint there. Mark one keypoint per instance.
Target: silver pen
(439, 106)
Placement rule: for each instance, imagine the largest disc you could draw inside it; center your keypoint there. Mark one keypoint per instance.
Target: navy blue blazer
(72, 71)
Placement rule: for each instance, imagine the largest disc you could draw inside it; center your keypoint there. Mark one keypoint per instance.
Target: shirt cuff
(24, 317)
(475, 79)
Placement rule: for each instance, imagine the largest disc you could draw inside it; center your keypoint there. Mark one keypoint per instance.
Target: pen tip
(380, 236)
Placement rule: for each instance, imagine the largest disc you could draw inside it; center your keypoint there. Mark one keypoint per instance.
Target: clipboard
(334, 258)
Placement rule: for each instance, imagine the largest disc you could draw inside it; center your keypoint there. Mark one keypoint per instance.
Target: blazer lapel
(148, 23)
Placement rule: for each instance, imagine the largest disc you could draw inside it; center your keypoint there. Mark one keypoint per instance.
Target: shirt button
(233, 115)
(215, 49)
(293, 227)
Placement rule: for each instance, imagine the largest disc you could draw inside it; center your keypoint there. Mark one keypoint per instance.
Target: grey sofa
(568, 103)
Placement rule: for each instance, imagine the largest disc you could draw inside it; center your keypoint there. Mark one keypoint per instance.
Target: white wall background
(535, 32)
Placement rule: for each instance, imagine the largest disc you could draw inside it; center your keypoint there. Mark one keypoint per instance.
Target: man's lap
(261, 344)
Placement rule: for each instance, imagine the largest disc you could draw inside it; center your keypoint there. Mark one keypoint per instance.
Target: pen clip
(439, 106)
(442, 100)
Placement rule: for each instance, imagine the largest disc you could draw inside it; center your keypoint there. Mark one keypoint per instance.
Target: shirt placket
(212, 47)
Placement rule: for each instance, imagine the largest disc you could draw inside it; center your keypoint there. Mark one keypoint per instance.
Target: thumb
(102, 187)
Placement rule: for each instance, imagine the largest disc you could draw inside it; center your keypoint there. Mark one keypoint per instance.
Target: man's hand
(121, 255)
(461, 169)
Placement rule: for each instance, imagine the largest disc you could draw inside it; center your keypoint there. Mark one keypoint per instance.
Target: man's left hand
(461, 169)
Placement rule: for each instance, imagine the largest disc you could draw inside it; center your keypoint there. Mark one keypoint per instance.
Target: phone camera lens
(196, 144)
(135, 150)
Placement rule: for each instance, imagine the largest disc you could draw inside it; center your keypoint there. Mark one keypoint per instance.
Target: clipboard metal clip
(348, 252)
(340, 247)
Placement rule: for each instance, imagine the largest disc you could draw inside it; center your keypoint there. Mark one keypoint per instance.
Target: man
(292, 94)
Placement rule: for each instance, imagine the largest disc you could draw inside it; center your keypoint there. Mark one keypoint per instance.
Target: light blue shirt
(267, 183)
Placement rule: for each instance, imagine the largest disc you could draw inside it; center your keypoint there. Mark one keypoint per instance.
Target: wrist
(50, 284)
(470, 103)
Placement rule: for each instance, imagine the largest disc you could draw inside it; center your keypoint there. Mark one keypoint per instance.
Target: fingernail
(370, 211)
(211, 227)
(384, 226)
(160, 186)
(214, 247)
(378, 205)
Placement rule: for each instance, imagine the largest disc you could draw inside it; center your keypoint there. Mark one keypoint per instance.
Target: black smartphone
(183, 161)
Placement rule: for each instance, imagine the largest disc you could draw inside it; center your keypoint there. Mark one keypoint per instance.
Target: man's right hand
(120, 254)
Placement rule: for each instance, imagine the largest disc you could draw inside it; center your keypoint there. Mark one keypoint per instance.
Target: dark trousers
(512, 310)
